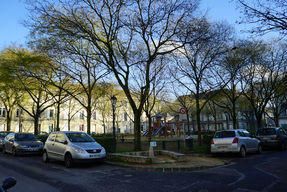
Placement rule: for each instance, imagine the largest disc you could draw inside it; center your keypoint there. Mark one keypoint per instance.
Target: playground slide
(145, 134)
(156, 132)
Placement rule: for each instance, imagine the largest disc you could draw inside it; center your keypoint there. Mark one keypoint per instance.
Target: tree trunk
(58, 116)
(36, 124)
(137, 132)
(88, 120)
(149, 129)
(9, 119)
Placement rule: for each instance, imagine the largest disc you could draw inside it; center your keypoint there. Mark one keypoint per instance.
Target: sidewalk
(193, 162)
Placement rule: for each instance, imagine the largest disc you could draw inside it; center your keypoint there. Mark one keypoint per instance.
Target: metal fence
(174, 145)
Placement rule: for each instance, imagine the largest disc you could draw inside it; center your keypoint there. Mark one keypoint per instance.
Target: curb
(164, 169)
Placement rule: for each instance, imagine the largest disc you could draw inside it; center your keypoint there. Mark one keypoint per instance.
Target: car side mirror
(8, 182)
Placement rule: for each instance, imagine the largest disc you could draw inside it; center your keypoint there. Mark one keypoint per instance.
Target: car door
(9, 141)
(252, 141)
(50, 145)
(60, 146)
(283, 136)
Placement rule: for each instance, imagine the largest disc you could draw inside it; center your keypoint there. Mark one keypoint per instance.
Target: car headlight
(80, 150)
(103, 150)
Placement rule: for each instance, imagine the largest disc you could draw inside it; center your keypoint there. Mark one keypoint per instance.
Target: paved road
(266, 172)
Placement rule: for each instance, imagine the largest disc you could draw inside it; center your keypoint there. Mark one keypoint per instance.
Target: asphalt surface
(266, 172)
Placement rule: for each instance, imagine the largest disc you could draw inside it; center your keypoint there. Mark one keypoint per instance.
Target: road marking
(239, 179)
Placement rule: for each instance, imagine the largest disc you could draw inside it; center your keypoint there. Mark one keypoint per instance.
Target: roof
(159, 115)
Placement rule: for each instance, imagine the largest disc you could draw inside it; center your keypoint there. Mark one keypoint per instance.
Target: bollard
(178, 145)
(163, 145)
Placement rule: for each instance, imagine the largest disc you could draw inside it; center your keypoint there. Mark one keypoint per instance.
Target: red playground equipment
(163, 128)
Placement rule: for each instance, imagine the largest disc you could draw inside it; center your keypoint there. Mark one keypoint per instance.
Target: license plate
(266, 138)
(222, 147)
(32, 149)
(94, 156)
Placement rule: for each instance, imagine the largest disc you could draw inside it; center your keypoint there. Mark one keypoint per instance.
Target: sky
(12, 11)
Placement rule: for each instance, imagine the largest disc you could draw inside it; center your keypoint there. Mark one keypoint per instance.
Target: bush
(207, 140)
(110, 144)
(94, 134)
(42, 137)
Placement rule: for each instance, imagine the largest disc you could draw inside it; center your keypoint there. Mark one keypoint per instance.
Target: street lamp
(114, 102)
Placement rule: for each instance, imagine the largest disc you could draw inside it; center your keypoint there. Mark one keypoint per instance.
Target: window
(52, 137)
(18, 112)
(2, 111)
(50, 114)
(247, 134)
(60, 137)
(266, 131)
(94, 116)
(224, 134)
(81, 127)
(282, 132)
(241, 133)
(82, 115)
(125, 116)
(125, 129)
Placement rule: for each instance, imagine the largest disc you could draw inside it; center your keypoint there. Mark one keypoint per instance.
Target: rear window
(223, 134)
(266, 131)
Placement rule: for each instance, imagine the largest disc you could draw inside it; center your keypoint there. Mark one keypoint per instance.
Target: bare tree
(268, 15)
(28, 68)
(10, 93)
(263, 75)
(126, 36)
(197, 62)
(276, 106)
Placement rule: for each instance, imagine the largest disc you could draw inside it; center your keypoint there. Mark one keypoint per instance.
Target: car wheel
(69, 162)
(242, 152)
(3, 149)
(259, 149)
(14, 154)
(282, 146)
(45, 157)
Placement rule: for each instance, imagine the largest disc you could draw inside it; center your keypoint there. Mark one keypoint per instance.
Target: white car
(72, 147)
(235, 141)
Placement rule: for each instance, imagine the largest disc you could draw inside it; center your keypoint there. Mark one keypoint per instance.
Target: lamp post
(114, 101)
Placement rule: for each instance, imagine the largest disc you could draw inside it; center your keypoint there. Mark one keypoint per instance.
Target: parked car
(44, 133)
(272, 137)
(235, 141)
(72, 147)
(22, 143)
(3, 134)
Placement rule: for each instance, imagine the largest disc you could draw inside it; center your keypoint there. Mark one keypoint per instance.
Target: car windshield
(3, 134)
(25, 137)
(223, 134)
(79, 137)
(266, 131)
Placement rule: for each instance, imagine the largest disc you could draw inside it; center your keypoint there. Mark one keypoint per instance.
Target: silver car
(72, 147)
(22, 143)
(3, 134)
(272, 137)
(235, 141)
